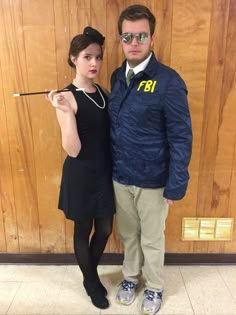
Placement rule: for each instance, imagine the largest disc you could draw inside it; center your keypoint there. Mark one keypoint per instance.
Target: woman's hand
(58, 100)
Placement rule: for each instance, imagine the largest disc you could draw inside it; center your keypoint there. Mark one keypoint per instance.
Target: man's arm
(179, 135)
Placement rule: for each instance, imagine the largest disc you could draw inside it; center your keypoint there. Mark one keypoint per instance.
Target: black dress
(86, 187)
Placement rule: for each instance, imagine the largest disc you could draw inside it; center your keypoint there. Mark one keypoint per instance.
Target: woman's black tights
(87, 253)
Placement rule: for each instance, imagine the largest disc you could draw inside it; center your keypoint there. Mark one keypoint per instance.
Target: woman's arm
(66, 108)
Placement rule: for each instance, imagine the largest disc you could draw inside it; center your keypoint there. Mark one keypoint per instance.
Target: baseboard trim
(117, 259)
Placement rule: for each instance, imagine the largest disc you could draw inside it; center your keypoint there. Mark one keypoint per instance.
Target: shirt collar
(139, 67)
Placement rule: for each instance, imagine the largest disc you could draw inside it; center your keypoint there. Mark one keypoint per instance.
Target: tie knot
(130, 76)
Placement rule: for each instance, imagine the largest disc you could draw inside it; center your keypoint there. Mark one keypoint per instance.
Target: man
(151, 146)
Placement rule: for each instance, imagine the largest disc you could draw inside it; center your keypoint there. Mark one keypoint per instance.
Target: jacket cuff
(175, 194)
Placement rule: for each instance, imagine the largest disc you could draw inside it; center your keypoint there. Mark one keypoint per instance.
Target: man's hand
(170, 202)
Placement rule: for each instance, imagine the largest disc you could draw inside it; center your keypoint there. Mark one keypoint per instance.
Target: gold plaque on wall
(207, 229)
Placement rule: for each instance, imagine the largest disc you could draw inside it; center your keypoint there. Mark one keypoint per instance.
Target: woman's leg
(102, 231)
(84, 259)
(81, 247)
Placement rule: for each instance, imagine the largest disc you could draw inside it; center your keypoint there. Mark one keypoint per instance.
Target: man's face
(135, 51)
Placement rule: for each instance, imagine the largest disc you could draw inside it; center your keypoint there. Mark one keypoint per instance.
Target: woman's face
(89, 61)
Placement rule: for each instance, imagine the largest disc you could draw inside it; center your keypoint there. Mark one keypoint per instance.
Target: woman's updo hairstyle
(82, 41)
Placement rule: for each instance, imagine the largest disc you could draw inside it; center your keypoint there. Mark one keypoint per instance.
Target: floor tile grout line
(17, 290)
(226, 284)
(190, 301)
(60, 290)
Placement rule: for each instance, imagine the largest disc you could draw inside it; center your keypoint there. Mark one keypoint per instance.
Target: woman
(86, 194)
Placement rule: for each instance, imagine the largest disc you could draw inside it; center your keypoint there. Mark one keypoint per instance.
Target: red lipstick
(93, 71)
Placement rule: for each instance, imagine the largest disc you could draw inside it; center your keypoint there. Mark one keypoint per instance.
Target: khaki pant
(140, 219)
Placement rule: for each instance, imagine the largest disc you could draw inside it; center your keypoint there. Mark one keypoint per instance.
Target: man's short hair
(137, 12)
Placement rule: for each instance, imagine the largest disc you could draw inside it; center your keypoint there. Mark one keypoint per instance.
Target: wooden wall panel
(39, 33)
(189, 49)
(19, 129)
(226, 157)
(63, 36)
(8, 224)
(113, 59)
(211, 114)
(197, 38)
(112, 46)
(99, 21)
(230, 247)
(163, 36)
(80, 15)
(64, 14)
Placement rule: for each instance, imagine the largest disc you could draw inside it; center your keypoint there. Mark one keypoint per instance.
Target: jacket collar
(150, 70)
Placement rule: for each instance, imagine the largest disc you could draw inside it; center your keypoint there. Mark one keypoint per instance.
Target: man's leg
(152, 211)
(128, 228)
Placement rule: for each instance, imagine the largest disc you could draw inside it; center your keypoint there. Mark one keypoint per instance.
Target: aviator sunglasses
(140, 37)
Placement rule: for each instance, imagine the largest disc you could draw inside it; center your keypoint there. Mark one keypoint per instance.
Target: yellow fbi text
(147, 86)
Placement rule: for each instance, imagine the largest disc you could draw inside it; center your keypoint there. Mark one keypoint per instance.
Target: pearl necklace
(83, 90)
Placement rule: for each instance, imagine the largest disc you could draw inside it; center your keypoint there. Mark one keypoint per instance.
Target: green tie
(130, 76)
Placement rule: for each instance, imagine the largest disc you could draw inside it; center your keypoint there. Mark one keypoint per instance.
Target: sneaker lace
(128, 285)
(150, 295)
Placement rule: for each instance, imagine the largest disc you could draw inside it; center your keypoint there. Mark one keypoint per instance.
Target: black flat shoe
(96, 293)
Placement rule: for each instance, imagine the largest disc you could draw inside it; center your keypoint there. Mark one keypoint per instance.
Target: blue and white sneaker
(151, 302)
(126, 292)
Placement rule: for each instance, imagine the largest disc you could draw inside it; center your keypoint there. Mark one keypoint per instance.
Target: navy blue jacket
(151, 130)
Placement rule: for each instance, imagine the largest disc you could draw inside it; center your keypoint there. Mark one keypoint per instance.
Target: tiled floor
(189, 290)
